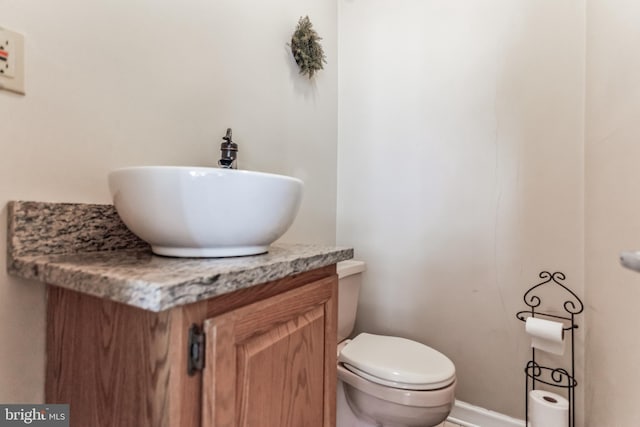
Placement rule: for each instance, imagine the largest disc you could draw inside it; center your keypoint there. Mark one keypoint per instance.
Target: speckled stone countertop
(86, 248)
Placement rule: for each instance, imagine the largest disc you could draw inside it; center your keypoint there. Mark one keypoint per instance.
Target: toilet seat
(397, 362)
(410, 398)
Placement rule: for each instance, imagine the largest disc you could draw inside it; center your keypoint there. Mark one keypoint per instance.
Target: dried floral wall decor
(306, 48)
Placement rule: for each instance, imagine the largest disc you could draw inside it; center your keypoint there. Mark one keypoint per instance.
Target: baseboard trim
(468, 415)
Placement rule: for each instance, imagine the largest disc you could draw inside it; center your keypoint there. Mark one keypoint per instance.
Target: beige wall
(460, 173)
(118, 83)
(612, 212)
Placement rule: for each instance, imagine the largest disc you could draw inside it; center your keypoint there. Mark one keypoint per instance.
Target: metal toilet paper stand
(536, 373)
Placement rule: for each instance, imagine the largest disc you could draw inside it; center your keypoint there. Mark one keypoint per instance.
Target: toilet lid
(397, 362)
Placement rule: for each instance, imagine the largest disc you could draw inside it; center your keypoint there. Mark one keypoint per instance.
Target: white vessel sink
(205, 212)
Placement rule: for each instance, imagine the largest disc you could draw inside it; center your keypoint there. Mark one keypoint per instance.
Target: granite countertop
(86, 248)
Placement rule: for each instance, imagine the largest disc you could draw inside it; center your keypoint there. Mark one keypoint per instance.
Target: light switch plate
(11, 61)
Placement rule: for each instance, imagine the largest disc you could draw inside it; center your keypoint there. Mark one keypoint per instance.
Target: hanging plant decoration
(306, 48)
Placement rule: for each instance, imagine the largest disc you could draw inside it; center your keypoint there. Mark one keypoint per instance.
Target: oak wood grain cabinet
(269, 358)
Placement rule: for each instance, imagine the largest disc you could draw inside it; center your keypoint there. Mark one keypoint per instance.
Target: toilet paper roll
(548, 409)
(546, 335)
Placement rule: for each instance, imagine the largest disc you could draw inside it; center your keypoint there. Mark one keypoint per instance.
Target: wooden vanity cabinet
(269, 358)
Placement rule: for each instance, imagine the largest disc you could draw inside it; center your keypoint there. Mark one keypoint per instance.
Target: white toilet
(388, 381)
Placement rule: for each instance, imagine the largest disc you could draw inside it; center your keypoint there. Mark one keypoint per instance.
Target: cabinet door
(273, 363)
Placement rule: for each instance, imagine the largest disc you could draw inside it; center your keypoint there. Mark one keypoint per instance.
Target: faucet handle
(227, 137)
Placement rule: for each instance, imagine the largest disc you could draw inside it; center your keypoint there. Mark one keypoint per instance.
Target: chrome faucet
(229, 150)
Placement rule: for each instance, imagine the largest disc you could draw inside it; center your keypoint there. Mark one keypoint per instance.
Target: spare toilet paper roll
(546, 335)
(548, 409)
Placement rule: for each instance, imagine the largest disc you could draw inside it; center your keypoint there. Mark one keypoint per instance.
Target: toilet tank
(349, 281)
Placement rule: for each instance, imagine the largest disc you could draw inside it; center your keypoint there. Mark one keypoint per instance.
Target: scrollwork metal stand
(556, 377)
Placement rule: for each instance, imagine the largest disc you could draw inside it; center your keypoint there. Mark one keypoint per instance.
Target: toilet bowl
(388, 381)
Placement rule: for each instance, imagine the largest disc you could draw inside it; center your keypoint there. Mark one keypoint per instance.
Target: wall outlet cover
(11, 61)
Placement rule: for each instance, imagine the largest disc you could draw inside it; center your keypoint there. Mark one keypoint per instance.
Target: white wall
(118, 83)
(460, 172)
(612, 212)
